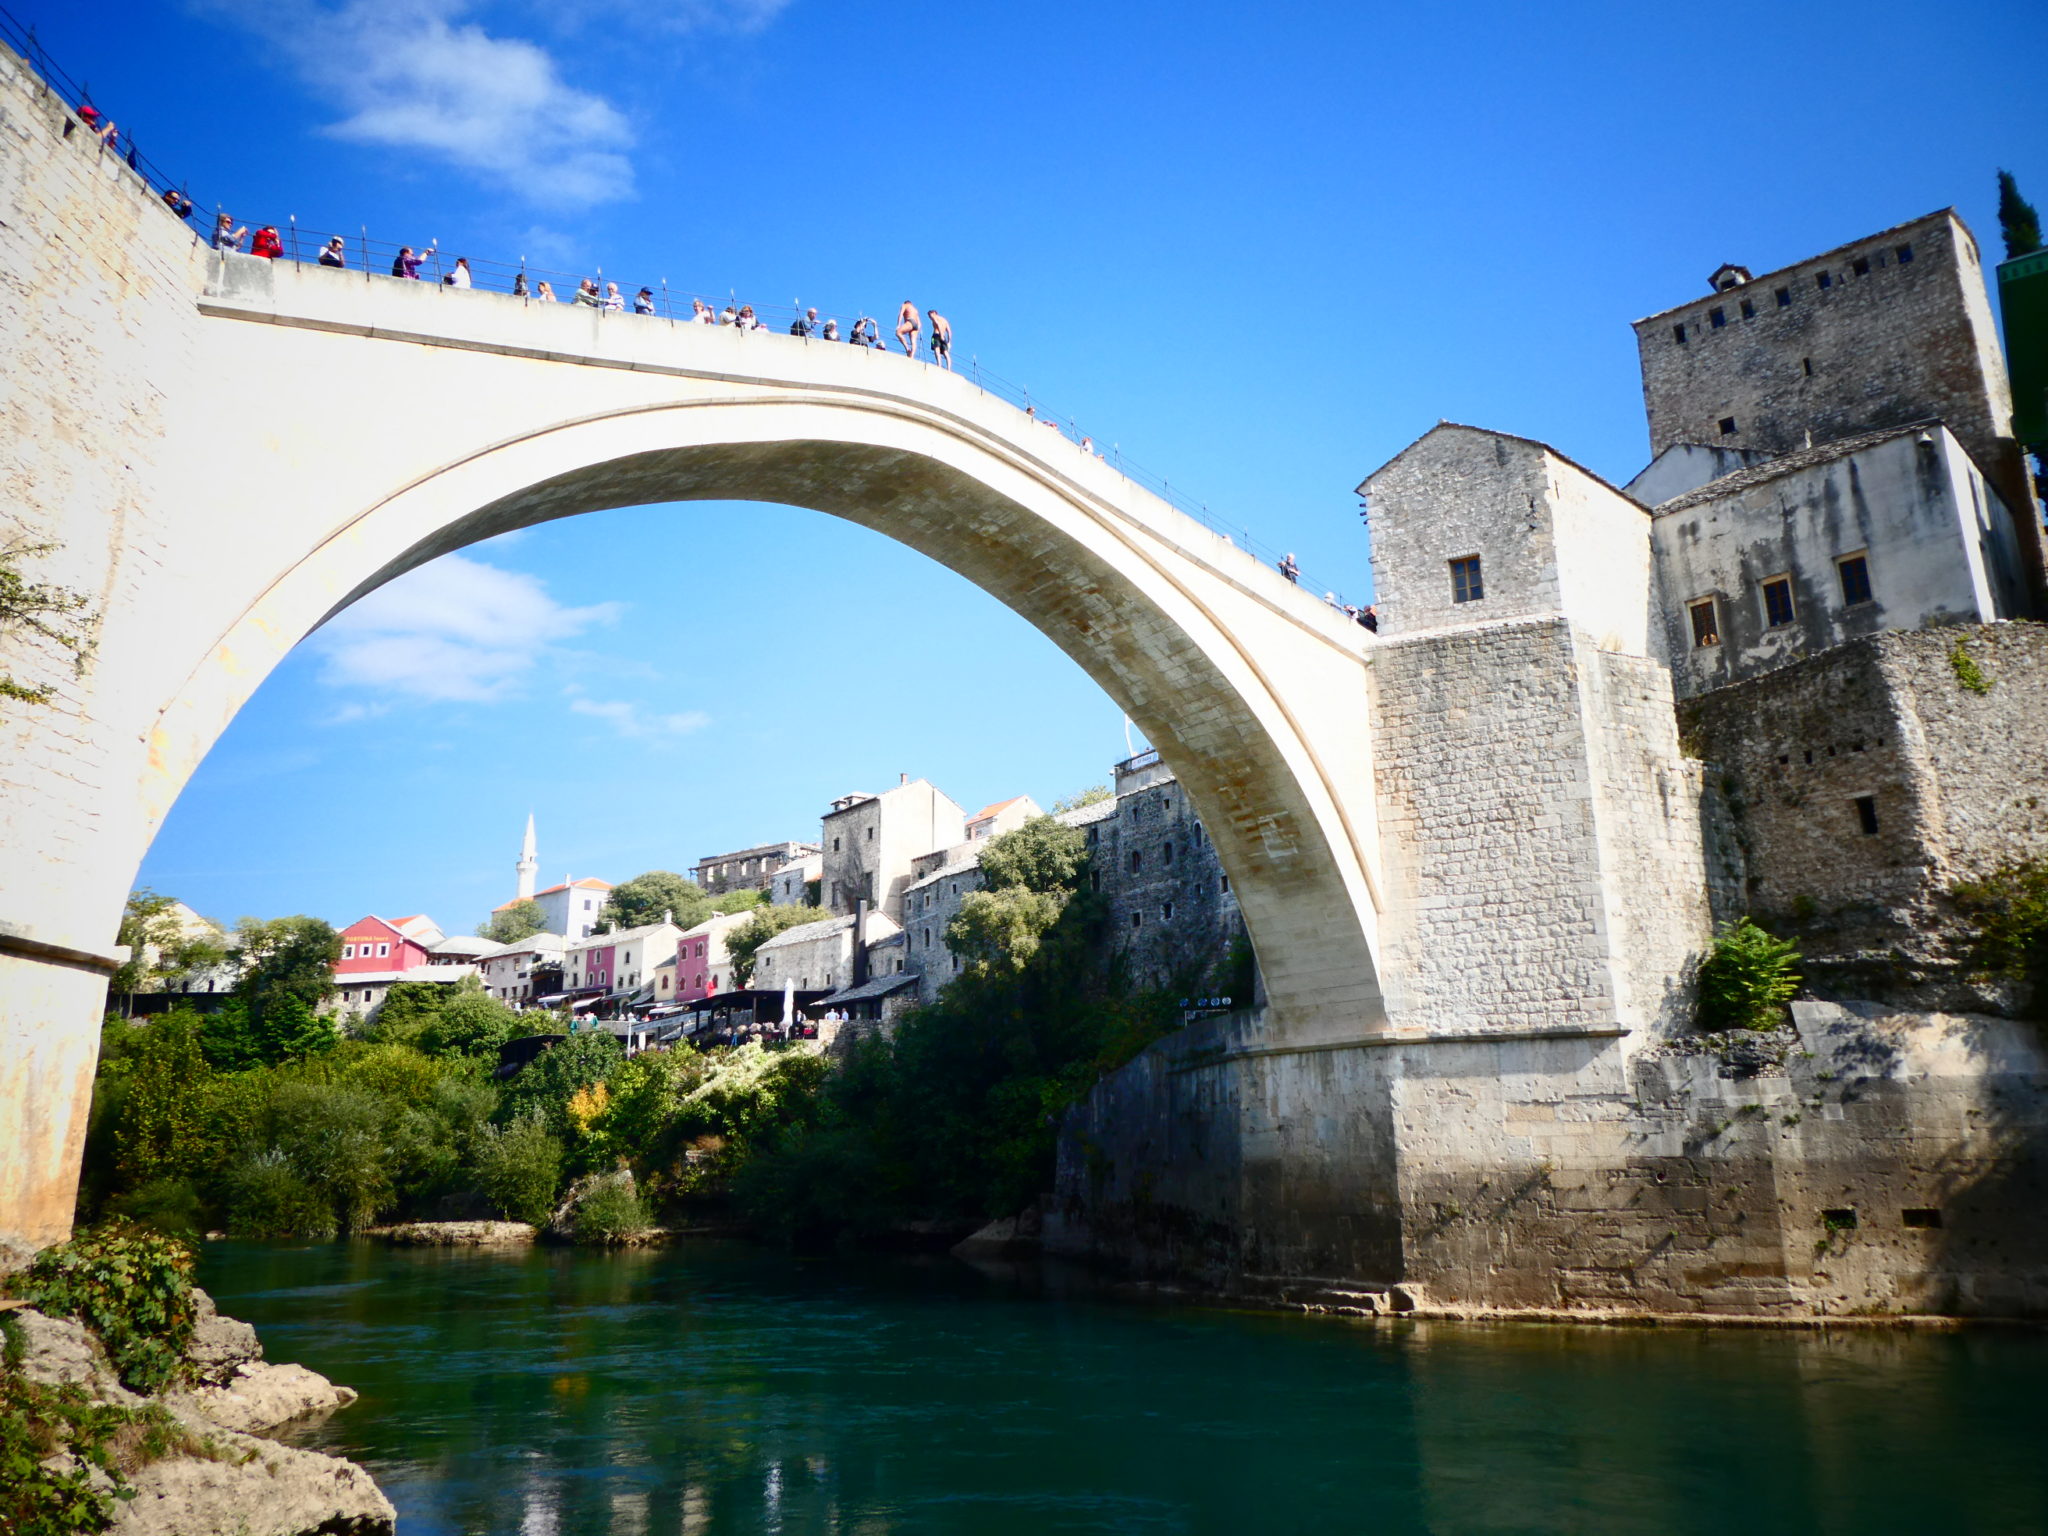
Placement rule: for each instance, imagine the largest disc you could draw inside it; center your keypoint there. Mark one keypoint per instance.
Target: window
(1717, 317)
(1905, 255)
(1226, 884)
(1137, 861)
(1166, 913)
(1806, 366)
(1166, 853)
(348, 951)
(1466, 585)
(871, 834)
(1749, 309)
(1778, 602)
(1866, 815)
(1137, 919)
(1727, 426)
(1860, 266)
(1920, 1216)
(1705, 631)
(1784, 298)
(383, 950)
(1855, 573)
(1823, 280)
(1678, 334)
(835, 845)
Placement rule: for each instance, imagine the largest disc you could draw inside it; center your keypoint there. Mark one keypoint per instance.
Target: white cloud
(455, 629)
(630, 721)
(416, 75)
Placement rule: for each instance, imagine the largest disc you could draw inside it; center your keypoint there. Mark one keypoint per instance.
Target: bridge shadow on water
(722, 1389)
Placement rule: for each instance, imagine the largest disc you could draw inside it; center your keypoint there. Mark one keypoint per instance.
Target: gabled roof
(997, 809)
(965, 866)
(1791, 464)
(579, 885)
(382, 925)
(879, 986)
(804, 932)
(1083, 815)
(1511, 437)
(464, 944)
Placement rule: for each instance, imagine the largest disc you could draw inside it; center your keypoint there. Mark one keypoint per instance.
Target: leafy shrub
(339, 1141)
(2009, 910)
(1969, 675)
(546, 1086)
(267, 1197)
(130, 1286)
(818, 1187)
(469, 1024)
(608, 1209)
(519, 1167)
(39, 1424)
(170, 1206)
(1748, 979)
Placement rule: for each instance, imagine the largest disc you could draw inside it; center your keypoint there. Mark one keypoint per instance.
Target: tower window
(1749, 309)
(1727, 426)
(1905, 254)
(1806, 366)
(1778, 602)
(1717, 317)
(1137, 919)
(1866, 814)
(1466, 584)
(1855, 573)
(1137, 860)
(1705, 631)
(1784, 298)
(1823, 280)
(1678, 334)
(1860, 266)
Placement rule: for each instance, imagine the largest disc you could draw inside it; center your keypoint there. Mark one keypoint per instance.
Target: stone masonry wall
(1496, 915)
(1957, 781)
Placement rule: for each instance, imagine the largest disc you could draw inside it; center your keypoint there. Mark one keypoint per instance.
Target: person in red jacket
(266, 243)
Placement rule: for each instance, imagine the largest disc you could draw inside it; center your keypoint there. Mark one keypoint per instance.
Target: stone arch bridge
(234, 450)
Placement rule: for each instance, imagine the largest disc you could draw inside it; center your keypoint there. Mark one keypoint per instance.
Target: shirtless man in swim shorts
(906, 328)
(942, 338)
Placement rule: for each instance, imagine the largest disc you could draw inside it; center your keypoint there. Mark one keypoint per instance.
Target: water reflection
(721, 1390)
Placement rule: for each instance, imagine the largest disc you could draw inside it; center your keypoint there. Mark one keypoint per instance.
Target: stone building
(818, 955)
(508, 971)
(871, 841)
(791, 885)
(1891, 330)
(749, 869)
(1793, 554)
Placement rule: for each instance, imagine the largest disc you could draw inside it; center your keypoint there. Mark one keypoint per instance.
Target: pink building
(702, 966)
(373, 945)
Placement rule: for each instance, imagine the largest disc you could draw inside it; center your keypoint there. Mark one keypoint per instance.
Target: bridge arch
(271, 514)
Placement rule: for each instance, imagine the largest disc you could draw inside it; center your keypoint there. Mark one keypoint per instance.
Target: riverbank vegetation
(264, 1121)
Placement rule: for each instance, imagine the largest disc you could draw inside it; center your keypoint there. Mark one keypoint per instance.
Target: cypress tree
(2017, 220)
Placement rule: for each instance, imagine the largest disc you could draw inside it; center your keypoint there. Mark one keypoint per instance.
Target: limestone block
(260, 1397)
(254, 1488)
(57, 1351)
(219, 1344)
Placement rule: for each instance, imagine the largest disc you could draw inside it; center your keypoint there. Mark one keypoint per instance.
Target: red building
(373, 945)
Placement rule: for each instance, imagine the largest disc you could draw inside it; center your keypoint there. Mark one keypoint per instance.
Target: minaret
(528, 863)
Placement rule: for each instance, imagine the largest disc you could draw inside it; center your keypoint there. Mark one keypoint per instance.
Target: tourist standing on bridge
(805, 325)
(643, 302)
(1288, 568)
(176, 200)
(942, 339)
(266, 243)
(906, 328)
(225, 236)
(459, 277)
(831, 330)
(614, 301)
(700, 313)
(545, 293)
(588, 296)
(332, 254)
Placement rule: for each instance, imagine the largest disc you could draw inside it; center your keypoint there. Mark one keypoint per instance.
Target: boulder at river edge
(229, 1480)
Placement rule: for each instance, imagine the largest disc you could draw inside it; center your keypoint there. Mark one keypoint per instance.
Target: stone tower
(529, 862)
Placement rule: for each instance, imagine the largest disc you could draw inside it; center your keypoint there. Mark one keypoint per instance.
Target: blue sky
(1260, 249)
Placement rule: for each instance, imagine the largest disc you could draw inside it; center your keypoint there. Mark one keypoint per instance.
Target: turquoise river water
(720, 1389)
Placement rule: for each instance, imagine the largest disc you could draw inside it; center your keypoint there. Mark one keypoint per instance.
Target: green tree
(744, 899)
(519, 1168)
(546, 1085)
(159, 945)
(2017, 220)
(285, 957)
(470, 1022)
(743, 941)
(48, 612)
(1042, 855)
(229, 1038)
(161, 1129)
(1001, 930)
(520, 920)
(408, 1008)
(644, 898)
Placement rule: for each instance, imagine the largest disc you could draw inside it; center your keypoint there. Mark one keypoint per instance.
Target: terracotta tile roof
(997, 809)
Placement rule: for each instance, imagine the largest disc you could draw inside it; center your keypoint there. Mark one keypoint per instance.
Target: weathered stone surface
(254, 1488)
(58, 1351)
(457, 1234)
(219, 1344)
(259, 1397)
